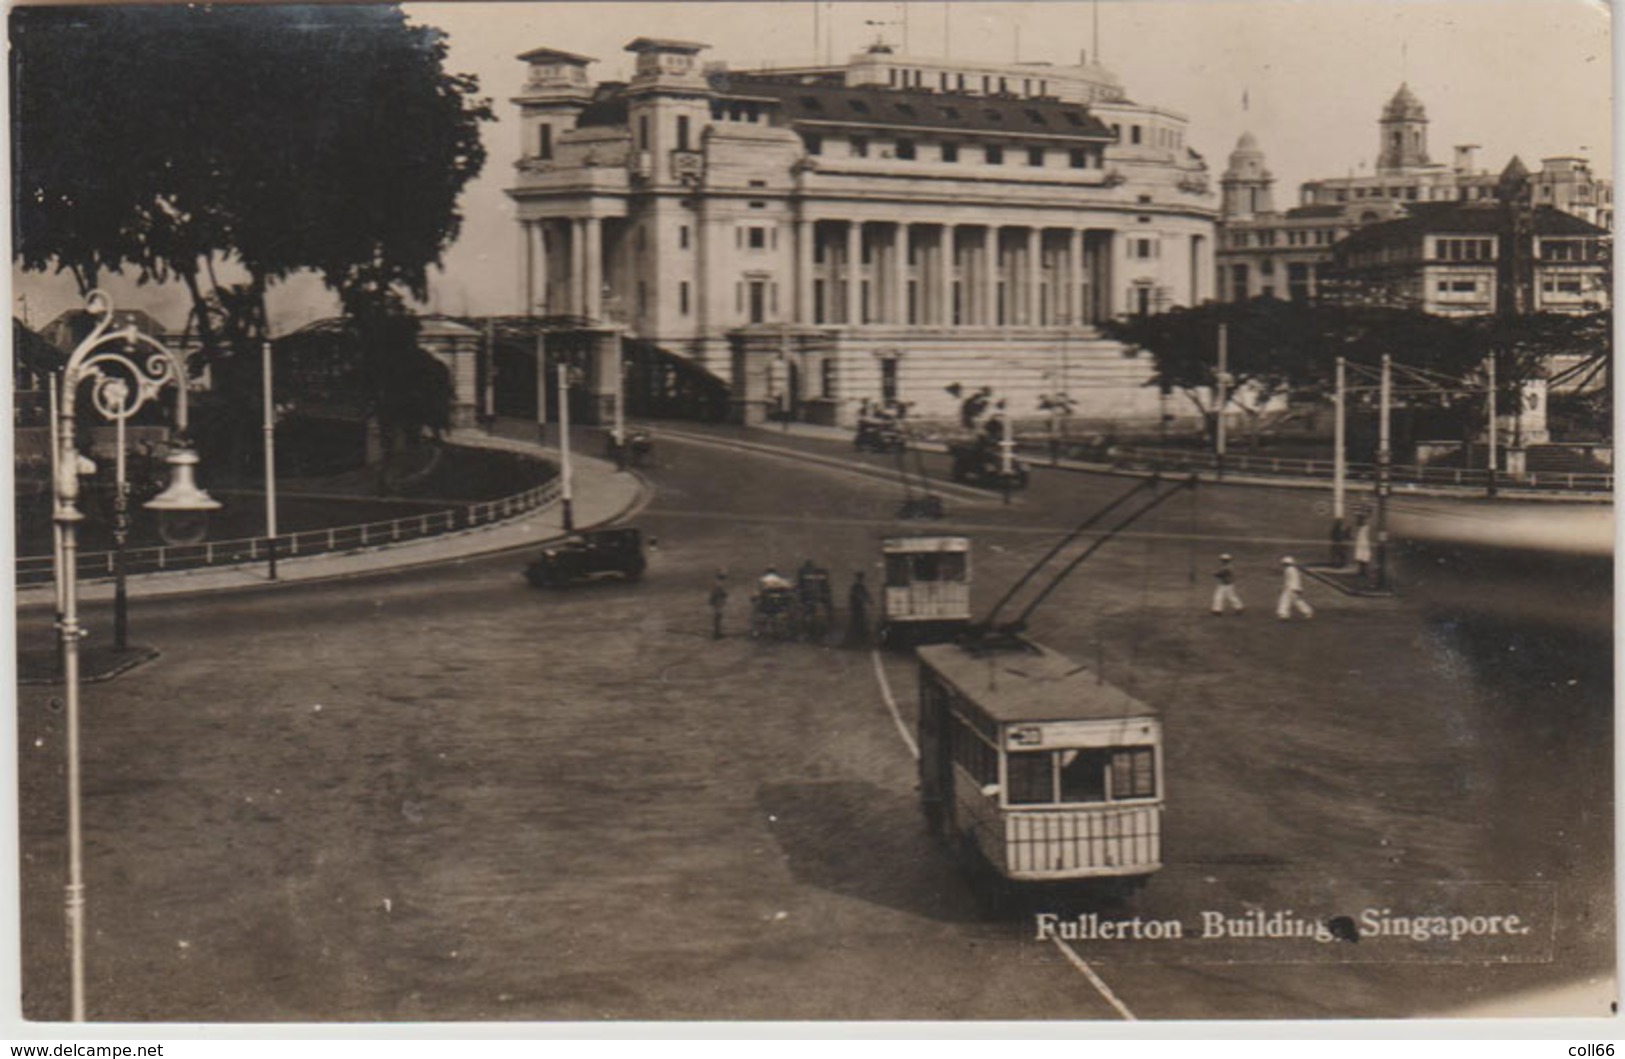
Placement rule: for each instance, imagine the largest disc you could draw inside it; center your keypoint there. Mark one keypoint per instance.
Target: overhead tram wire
(1124, 523)
(1077, 532)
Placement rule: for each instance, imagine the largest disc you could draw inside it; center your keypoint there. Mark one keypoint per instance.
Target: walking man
(1292, 592)
(719, 603)
(1224, 593)
(857, 605)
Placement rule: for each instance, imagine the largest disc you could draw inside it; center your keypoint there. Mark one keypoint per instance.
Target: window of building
(682, 237)
(1035, 156)
(813, 142)
(1144, 249)
(994, 154)
(950, 152)
(758, 302)
(942, 81)
(643, 298)
(1238, 282)
(818, 302)
(1004, 86)
(905, 150)
(1134, 134)
(961, 79)
(682, 132)
(758, 239)
(682, 297)
(826, 377)
(860, 147)
(1079, 158)
(858, 106)
(643, 132)
(1117, 132)
(545, 148)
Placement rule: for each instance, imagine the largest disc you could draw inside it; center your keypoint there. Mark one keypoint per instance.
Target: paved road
(439, 794)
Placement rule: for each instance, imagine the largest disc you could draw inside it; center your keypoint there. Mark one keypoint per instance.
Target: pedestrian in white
(1362, 546)
(1292, 592)
(1224, 593)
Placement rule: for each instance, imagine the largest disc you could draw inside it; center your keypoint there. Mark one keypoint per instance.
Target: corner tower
(1247, 182)
(1404, 133)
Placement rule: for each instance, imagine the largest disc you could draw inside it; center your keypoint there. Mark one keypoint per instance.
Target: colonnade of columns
(580, 293)
(898, 272)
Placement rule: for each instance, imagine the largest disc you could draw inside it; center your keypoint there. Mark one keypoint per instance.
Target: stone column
(1076, 302)
(990, 276)
(853, 270)
(540, 302)
(945, 281)
(593, 267)
(1035, 272)
(898, 300)
(806, 232)
(527, 270)
(578, 266)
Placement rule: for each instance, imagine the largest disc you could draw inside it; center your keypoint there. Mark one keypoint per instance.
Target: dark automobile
(879, 435)
(980, 463)
(590, 554)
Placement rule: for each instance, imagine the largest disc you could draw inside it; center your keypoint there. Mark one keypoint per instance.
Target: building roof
(553, 55)
(1456, 218)
(1031, 683)
(686, 47)
(608, 107)
(1309, 212)
(1404, 106)
(935, 110)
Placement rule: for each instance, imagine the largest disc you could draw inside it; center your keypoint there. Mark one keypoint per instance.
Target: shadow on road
(860, 840)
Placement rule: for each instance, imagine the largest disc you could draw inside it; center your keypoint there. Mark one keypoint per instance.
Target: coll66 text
(1591, 1049)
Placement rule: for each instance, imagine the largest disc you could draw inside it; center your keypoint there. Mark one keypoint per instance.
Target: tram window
(1031, 777)
(1083, 775)
(897, 571)
(974, 755)
(1133, 774)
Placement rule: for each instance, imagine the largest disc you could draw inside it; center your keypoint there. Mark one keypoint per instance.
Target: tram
(1037, 769)
(927, 590)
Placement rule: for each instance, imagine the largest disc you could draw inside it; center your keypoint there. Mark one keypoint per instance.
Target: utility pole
(1494, 456)
(1218, 414)
(270, 461)
(565, 498)
(1339, 458)
(1384, 456)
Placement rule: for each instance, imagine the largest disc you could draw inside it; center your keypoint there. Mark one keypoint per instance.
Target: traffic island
(1347, 580)
(43, 665)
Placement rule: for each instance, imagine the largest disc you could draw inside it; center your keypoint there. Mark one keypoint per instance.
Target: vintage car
(980, 463)
(587, 555)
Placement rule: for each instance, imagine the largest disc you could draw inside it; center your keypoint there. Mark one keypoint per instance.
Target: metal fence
(1399, 474)
(98, 566)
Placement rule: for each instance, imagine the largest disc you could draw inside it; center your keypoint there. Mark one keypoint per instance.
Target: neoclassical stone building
(820, 236)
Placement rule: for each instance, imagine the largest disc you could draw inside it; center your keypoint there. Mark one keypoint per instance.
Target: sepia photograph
(1083, 513)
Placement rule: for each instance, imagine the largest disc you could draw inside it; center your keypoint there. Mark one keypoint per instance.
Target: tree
(230, 147)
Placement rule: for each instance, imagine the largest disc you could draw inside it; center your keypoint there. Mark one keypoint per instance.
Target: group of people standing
(812, 591)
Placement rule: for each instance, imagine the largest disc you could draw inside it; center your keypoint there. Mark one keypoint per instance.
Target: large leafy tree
(227, 148)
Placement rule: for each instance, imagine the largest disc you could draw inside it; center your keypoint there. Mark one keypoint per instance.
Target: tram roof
(1030, 682)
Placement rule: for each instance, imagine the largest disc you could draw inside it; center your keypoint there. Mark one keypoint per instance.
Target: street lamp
(126, 369)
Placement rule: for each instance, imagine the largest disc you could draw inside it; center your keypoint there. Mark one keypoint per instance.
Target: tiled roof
(547, 54)
(892, 107)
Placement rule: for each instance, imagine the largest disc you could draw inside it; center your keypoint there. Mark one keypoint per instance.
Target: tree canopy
(230, 147)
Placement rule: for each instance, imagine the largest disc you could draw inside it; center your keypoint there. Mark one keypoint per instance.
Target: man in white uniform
(1292, 592)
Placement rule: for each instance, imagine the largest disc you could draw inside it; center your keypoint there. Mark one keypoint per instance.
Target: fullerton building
(821, 236)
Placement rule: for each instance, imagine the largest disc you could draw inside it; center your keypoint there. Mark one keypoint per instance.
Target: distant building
(1465, 259)
(820, 236)
(1263, 250)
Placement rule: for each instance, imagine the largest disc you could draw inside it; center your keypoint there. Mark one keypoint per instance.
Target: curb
(639, 498)
(1323, 574)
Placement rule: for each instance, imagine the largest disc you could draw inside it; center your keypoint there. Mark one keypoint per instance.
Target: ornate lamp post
(126, 369)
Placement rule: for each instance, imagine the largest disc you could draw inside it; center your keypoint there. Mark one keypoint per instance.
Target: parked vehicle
(587, 555)
(980, 463)
(634, 451)
(879, 435)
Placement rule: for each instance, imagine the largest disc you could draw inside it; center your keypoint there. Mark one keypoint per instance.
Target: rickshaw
(775, 614)
(1036, 771)
(927, 590)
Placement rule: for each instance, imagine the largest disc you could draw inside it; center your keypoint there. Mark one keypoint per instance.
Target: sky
(1307, 77)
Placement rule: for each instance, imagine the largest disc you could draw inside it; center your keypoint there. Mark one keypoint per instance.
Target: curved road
(439, 794)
